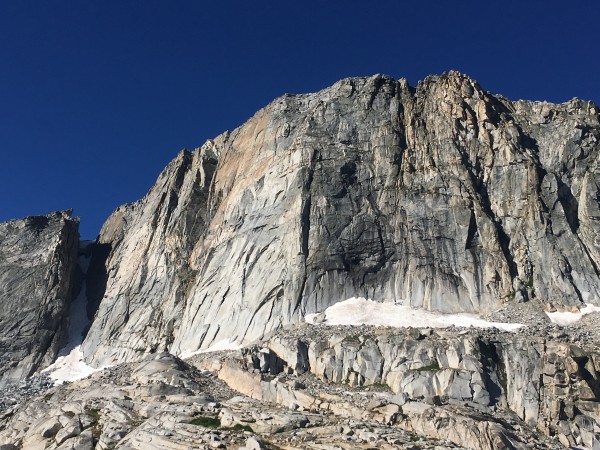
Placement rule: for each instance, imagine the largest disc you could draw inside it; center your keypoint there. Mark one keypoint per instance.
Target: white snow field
(360, 311)
(70, 367)
(567, 318)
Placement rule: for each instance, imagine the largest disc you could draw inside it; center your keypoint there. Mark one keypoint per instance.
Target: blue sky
(96, 97)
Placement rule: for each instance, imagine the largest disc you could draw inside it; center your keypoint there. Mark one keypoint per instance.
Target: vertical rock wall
(140, 271)
(38, 257)
(442, 196)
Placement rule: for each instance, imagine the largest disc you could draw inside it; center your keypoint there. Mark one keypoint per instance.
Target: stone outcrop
(552, 385)
(442, 196)
(318, 386)
(38, 257)
(163, 403)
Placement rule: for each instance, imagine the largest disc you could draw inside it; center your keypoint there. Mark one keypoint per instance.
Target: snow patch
(564, 318)
(222, 345)
(70, 367)
(360, 311)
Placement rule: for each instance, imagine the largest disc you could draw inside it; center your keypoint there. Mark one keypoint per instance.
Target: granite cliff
(442, 196)
(38, 258)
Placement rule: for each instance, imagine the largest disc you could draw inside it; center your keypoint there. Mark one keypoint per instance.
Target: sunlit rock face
(140, 273)
(38, 257)
(442, 196)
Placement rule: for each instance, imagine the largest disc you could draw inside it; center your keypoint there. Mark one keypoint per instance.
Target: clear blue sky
(96, 97)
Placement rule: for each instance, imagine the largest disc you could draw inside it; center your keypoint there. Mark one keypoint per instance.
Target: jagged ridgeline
(442, 196)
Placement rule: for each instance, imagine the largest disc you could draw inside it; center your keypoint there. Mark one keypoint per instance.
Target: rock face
(38, 257)
(144, 276)
(442, 196)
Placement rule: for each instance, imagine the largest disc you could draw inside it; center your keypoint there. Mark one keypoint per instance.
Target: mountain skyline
(98, 98)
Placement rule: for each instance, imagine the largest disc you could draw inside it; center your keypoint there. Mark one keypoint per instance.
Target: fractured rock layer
(140, 272)
(550, 384)
(162, 403)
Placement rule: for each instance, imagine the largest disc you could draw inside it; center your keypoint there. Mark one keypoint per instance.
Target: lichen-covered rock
(442, 196)
(38, 257)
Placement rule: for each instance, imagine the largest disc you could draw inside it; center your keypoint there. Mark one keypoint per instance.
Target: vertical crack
(570, 205)
(480, 191)
(305, 221)
(305, 225)
(472, 230)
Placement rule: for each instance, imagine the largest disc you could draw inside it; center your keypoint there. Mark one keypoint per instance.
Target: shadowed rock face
(442, 196)
(37, 266)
